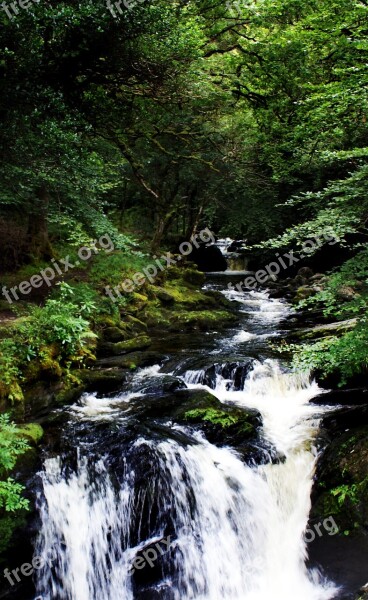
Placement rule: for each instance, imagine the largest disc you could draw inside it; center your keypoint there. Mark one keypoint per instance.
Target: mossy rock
(165, 297)
(194, 277)
(182, 293)
(32, 431)
(103, 380)
(341, 488)
(114, 334)
(203, 320)
(135, 324)
(131, 361)
(222, 424)
(217, 416)
(116, 349)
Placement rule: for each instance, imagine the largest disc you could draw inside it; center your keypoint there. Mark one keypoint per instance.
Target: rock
(303, 291)
(347, 293)
(193, 277)
(135, 323)
(116, 349)
(222, 424)
(317, 277)
(163, 384)
(237, 372)
(341, 488)
(305, 272)
(114, 334)
(32, 431)
(132, 361)
(103, 380)
(165, 297)
(42, 396)
(202, 320)
(328, 329)
(236, 245)
(356, 396)
(209, 258)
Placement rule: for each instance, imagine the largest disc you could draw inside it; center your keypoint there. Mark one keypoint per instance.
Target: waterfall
(236, 260)
(233, 531)
(238, 531)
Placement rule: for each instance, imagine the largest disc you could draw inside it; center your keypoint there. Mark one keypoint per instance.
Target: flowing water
(221, 528)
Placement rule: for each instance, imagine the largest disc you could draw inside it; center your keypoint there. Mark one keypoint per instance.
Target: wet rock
(119, 348)
(222, 424)
(305, 272)
(41, 397)
(114, 334)
(162, 385)
(132, 361)
(103, 380)
(209, 259)
(350, 397)
(237, 372)
(324, 330)
(341, 487)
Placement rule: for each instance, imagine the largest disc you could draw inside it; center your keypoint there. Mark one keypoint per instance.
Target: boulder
(103, 380)
(116, 349)
(305, 272)
(209, 258)
(114, 334)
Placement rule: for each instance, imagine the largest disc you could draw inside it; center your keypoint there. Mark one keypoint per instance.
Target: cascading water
(235, 531)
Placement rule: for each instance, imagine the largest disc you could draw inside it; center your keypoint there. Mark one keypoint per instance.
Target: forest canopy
(242, 116)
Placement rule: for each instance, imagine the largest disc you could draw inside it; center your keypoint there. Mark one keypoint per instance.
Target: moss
(114, 334)
(137, 343)
(217, 417)
(203, 320)
(342, 489)
(183, 293)
(32, 431)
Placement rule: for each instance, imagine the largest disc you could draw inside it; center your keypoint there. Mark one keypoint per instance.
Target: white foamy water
(91, 407)
(238, 529)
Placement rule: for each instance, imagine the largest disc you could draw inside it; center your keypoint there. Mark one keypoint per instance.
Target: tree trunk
(39, 243)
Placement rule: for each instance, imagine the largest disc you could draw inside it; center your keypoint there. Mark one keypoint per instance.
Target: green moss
(215, 416)
(203, 320)
(137, 343)
(32, 431)
(343, 488)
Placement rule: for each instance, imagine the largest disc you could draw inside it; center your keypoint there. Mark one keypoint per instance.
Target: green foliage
(51, 338)
(344, 295)
(12, 445)
(346, 356)
(344, 492)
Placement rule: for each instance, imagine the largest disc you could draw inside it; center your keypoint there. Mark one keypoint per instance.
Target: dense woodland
(249, 118)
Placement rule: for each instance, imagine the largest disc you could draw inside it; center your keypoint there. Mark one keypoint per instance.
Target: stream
(208, 521)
